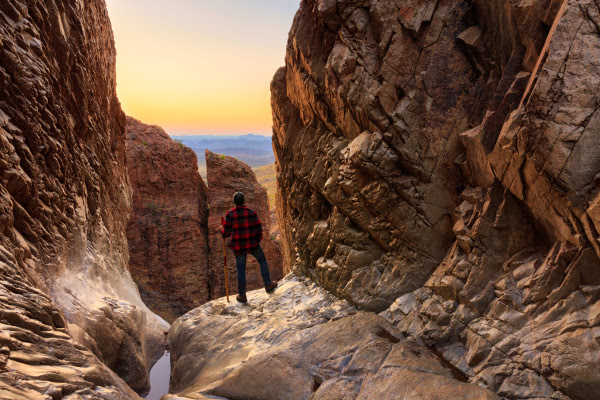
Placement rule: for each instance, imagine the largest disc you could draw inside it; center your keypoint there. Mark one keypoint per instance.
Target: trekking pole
(225, 262)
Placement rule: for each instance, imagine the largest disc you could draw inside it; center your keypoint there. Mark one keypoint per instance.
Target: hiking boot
(271, 287)
(241, 299)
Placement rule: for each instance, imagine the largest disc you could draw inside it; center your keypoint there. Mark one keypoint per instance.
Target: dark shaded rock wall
(64, 201)
(167, 230)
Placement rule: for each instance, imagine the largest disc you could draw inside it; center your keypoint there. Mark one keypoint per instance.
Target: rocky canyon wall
(442, 157)
(386, 111)
(227, 175)
(174, 228)
(366, 120)
(68, 304)
(167, 230)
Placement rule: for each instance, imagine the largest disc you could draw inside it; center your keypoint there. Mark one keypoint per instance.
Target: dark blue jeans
(240, 264)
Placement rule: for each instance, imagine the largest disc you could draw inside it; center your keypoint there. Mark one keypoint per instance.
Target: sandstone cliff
(227, 175)
(445, 154)
(167, 230)
(68, 303)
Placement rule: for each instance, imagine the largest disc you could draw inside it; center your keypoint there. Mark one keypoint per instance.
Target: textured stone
(520, 330)
(449, 149)
(64, 203)
(303, 343)
(372, 143)
(168, 226)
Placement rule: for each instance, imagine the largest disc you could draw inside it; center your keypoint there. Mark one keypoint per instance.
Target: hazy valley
(254, 150)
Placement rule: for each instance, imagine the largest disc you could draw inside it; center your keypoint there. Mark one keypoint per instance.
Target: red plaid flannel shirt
(243, 225)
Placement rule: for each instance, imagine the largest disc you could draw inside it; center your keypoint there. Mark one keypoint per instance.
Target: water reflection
(159, 377)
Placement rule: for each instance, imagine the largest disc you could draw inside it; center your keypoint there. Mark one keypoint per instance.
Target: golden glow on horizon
(198, 65)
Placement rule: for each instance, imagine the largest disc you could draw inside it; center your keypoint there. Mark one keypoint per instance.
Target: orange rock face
(227, 175)
(167, 229)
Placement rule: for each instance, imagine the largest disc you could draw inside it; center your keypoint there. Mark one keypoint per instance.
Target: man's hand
(226, 230)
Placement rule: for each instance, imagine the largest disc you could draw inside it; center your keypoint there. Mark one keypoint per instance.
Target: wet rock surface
(69, 309)
(168, 226)
(301, 342)
(226, 176)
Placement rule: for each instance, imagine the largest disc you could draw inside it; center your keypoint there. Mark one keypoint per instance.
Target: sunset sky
(200, 66)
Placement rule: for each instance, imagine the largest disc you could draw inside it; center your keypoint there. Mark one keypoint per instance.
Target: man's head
(238, 199)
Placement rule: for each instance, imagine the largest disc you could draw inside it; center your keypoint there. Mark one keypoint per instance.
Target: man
(243, 225)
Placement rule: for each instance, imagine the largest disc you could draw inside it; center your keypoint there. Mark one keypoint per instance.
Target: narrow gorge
(174, 230)
(168, 226)
(438, 176)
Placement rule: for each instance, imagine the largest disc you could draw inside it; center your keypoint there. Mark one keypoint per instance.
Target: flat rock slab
(301, 342)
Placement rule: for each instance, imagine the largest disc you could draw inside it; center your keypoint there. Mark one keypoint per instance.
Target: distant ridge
(254, 150)
(201, 136)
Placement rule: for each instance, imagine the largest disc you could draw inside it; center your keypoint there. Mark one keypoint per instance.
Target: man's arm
(226, 230)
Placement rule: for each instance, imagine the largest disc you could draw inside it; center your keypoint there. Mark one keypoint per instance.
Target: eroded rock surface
(67, 301)
(451, 147)
(367, 113)
(226, 176)
(167, 230)
(303, 343)
(373, 116)
(516, 316)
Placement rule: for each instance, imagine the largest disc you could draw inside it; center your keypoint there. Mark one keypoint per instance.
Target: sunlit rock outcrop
(68, 305)
(299, 343)
(167, 229)
(367, 114)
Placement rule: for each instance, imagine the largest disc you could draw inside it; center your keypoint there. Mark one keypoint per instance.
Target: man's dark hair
(238, 199)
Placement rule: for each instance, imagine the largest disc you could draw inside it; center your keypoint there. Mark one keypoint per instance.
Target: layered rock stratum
(69, 310)
(437, 162)
(226, 176)
(168, 225)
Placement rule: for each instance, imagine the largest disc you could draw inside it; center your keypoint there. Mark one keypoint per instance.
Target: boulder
(301, 342)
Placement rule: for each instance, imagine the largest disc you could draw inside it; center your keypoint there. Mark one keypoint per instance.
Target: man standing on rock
(243, 225)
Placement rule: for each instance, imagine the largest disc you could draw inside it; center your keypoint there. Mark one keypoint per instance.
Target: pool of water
(159, 377)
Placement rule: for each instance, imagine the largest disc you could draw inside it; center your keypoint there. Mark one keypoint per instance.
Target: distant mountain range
(254, 150)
